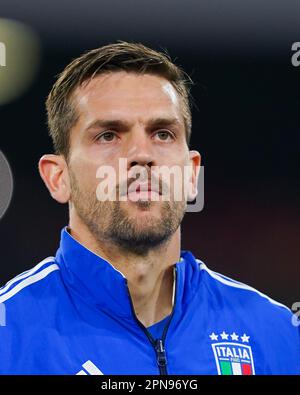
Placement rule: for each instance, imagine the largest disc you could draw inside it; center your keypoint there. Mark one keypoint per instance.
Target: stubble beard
(109, 221)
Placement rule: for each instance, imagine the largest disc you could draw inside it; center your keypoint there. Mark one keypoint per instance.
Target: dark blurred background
(246, 124)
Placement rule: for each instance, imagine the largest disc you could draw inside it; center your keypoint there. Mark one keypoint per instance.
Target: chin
(150, 211)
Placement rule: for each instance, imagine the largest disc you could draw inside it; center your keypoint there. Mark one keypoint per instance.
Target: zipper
(158, 344)
(161, 357)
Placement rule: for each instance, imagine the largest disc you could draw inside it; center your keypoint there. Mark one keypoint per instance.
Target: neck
(150, 278)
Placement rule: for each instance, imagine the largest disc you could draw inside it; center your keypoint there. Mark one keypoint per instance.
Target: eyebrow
(121, 124)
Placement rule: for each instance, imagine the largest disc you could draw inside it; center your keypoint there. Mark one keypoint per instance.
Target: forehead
(127, 94)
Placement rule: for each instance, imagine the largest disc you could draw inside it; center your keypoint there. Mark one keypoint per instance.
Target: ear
(54, 172)
(195, 163)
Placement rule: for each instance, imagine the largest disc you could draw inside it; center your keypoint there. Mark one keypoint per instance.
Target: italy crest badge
(233, 357)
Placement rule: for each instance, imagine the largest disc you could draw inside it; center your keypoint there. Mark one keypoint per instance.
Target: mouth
(146, 188)
(143, 191)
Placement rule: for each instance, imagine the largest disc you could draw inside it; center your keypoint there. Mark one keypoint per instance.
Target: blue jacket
(72, 314)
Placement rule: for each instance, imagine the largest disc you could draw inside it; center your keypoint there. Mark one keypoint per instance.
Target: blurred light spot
(6, 184)
(20, 48)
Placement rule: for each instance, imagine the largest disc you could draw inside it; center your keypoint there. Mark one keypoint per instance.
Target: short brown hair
(119, 56)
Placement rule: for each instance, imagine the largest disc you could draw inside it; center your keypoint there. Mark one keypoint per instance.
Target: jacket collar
(98, 282)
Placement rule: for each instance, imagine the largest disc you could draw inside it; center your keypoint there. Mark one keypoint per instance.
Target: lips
(143, 187)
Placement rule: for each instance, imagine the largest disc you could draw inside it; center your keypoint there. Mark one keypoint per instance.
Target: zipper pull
(161, 353)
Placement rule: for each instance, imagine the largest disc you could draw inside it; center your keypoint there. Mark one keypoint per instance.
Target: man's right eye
(106, 136)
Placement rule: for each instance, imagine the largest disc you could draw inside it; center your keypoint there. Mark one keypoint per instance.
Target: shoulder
(244, 297)
(270, 324)
(30, 282)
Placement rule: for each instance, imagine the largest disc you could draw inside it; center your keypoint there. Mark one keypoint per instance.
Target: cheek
(178, 158)
(103, 153)
(84, 173)
(97, 163)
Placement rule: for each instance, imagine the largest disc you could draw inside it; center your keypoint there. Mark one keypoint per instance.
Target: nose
(140, 150)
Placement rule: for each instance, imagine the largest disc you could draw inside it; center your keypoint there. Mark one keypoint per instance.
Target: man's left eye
(164, 135)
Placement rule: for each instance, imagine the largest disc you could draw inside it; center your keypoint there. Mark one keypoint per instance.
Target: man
(120, 296)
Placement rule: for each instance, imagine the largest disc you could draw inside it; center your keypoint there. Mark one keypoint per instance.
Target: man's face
(137, 118)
